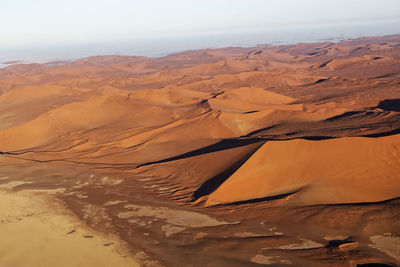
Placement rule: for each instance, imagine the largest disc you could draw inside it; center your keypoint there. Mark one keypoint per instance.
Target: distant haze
(154, 27)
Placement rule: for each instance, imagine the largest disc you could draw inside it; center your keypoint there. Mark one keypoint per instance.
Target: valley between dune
(270, 155)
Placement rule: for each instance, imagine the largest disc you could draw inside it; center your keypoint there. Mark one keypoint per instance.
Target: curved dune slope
(76, 117)
(119, 127)
(345, 170)
(247, 99)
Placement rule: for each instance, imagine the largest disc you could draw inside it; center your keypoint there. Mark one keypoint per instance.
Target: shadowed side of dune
(261, 199)
(214, 182)
(219, 146)
(390, 104)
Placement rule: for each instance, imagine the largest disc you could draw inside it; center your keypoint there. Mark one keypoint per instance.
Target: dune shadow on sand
(390, 105)
(219, 146)
(214, 182)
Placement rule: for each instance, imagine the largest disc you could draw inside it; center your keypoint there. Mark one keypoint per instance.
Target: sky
(47, 22)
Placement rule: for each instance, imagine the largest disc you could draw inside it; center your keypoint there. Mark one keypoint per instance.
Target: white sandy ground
(177, 220)
(387, 243)
(12, 184)
(269, 260)
(302, 244)
(37, 231)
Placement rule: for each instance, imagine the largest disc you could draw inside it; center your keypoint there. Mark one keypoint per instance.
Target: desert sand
(271, 155)
(317, 172)
(37, 231)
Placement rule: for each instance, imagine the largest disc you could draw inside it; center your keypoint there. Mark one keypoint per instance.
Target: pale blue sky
(44, 22)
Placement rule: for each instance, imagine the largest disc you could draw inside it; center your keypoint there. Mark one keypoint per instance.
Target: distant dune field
(276, 155)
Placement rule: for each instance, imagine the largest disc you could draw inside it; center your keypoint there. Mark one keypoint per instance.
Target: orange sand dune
(298, 146)
(77, 116)
(344, 170)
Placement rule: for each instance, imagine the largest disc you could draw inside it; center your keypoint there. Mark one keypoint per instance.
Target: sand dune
(208, 157)
(317, 172)
(247, 99)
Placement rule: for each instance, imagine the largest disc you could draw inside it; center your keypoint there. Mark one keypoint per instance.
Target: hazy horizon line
(205, 33)
(44, 55)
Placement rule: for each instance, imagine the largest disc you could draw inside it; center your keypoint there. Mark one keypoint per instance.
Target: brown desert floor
(270, 155)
